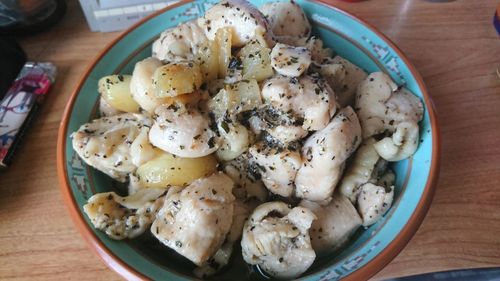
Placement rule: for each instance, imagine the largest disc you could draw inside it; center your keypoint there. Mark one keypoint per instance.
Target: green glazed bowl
(368, 251)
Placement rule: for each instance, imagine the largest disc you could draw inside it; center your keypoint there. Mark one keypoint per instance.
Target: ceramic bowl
(368, 251)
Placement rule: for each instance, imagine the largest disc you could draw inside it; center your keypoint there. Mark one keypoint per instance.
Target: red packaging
(20, 105)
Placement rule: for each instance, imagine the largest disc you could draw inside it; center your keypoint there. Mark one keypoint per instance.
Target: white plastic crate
(114, 15)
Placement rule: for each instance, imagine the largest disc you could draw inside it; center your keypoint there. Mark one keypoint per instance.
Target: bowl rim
(363, 273)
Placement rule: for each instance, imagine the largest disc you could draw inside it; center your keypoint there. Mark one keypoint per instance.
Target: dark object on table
(479, 274)
(496, 19)
(25, 17)
(13, 58)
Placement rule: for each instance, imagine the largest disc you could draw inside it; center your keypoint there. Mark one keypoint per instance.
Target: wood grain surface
(452, 44)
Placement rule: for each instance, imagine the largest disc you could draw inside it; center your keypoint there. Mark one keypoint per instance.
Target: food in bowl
(238, 130)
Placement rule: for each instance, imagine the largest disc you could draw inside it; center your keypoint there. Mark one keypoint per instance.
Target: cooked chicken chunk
(245, 21)
(141, 85)
(360, 171)
(216, 262)
(134, 184)
(309, 98)
(180, 43)
(373, 202)
(335, 223)
(289, 60)
(325, 153)
(281, 125)
(287, 133)
(383, 107)
(194, 221)
(124, 217)
(183, 132)
(105, 143)
(221, 257)
(247, 178)
(276, 238)
(279, 92)
(319, 53)
(242, 210)
(401, 145)
(344, 78)
(403, 106)
(278, 167)
(372, 94)
(385, 178)
(287, 21)
(382, 175)
(333, 73)
(235, 139)
(316, 112)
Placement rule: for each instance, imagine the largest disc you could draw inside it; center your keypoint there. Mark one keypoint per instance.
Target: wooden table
(454, 46)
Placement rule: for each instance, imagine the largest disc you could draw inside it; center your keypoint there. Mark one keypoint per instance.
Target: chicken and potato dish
(243, 128)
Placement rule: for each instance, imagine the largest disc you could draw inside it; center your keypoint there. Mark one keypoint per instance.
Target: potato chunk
(256, 61)
(208, 59)
(176, 79)
(236, 98)
(223, 39)
(115, 90)
(168, 169)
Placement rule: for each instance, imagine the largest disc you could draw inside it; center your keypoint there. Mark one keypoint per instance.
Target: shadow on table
(480, 274)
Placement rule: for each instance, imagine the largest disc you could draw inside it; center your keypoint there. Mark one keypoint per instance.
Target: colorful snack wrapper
(20, 104)
(496, 20)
